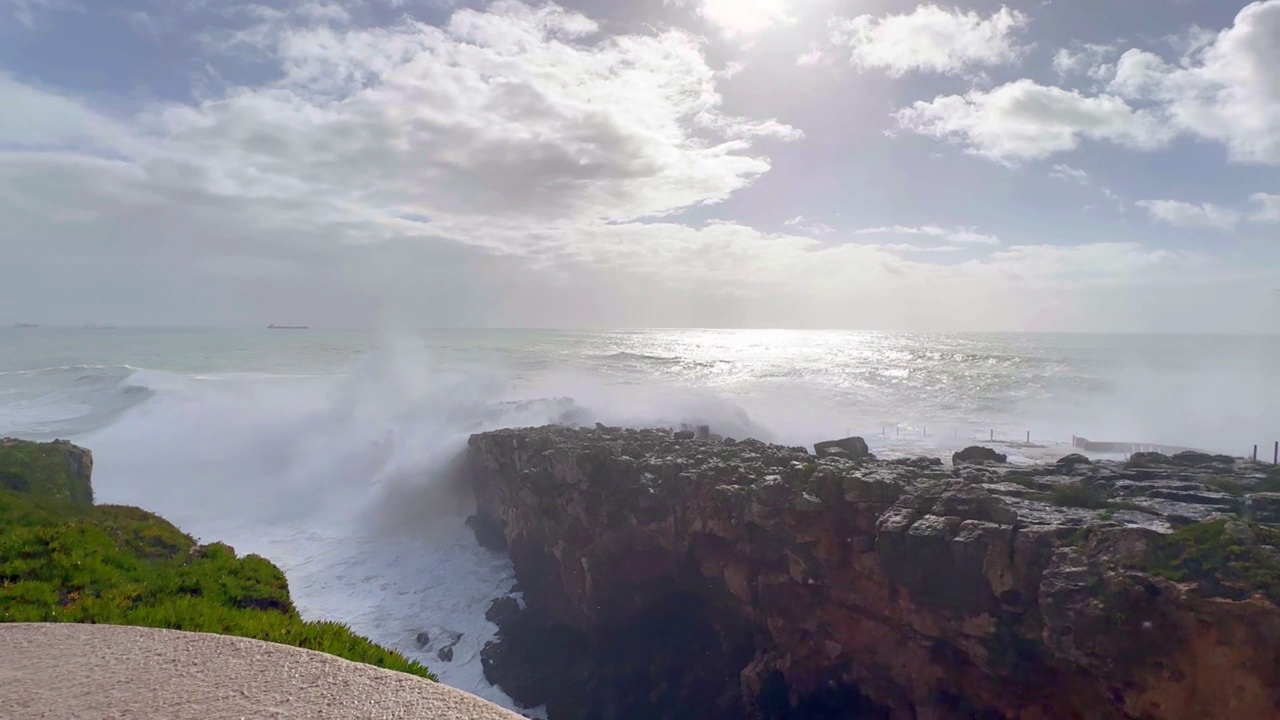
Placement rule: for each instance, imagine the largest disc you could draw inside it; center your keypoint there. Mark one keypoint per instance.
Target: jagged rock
(444, 652)
(1148, 459)
(1073, 460)
(854, 448)
(1191, 458)
(1263, 507)
(422, 639)
(684, 435)
(502, 610)
(755, 581)
(978, 454)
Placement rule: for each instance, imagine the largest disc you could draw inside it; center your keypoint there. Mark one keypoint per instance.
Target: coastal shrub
(1078, 496)
(1221, 558)
(63, 562)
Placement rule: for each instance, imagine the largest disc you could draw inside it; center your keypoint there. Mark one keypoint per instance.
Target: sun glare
(746, 17)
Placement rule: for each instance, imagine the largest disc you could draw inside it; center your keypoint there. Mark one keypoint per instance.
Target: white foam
(310, 473)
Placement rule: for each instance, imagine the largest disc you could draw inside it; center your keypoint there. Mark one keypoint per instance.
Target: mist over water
(335, 455)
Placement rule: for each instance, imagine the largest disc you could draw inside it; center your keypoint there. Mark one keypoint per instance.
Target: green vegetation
(64, 561)
(1227, 558)
(1078, 496)
(47, 470)
(1226, 485)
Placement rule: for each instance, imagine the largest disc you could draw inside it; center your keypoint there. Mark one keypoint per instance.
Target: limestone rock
(670, 580)
(978, 454)
(854, 448)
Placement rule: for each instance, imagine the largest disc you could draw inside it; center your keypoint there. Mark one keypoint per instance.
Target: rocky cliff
(680, 576)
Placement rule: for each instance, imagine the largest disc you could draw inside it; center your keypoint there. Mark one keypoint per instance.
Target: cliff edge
(682, 575)
(65, 559)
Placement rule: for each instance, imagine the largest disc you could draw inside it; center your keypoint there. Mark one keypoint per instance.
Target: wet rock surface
(689, 577)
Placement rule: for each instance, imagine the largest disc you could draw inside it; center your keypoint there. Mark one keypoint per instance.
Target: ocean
(325, 451)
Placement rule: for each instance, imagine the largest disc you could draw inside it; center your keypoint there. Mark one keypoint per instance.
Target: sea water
(334, 453)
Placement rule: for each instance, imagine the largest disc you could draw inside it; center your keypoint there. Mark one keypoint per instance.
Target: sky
(1042, 165)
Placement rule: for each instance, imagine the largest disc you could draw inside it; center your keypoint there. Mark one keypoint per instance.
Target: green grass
(63, 562)
(1222, 565)
(45, 470)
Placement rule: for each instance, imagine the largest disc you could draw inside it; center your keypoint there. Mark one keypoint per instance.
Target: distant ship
(274, 326)
(26, 325)
(99, 327)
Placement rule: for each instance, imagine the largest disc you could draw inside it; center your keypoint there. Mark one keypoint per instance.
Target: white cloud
(741, 18)
(931, 39)
(732, 69)
(1185, 214)
(809, 225)
(813, 56)
(1024, 120)
(960, 236)
(1227, 90)
(1268, 208)
(515, 112)
(1083, 58)
(1067, 172)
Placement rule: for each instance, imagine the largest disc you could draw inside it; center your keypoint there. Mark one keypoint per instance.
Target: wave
(350, 481)
(67, 368)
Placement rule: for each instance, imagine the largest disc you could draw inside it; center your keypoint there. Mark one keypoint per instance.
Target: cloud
(1074, 174)
(1268, 208)
(1078, 176)
(809, 225)
(960, 236)
(813, 56)
(513, 113)
(1226, 90)
(1024, 120)
(1084, 58)
(740, 18)
(1185, 214)
(931, 39)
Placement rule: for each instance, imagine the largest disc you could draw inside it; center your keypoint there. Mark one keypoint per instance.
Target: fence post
(1255, 453)
(1028, 436)
(993, 434)
(1275, 455)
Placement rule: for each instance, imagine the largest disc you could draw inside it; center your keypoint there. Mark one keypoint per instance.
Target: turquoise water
(330, 452)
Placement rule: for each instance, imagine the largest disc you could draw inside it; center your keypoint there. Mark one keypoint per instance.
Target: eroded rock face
(674, 577)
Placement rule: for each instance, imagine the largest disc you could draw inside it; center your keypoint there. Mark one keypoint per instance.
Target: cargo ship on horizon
(274, 326)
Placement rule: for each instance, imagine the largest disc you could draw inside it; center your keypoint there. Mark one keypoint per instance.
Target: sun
(747, 17)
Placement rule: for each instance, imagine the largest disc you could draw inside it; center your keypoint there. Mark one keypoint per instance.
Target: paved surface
(92, 672)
